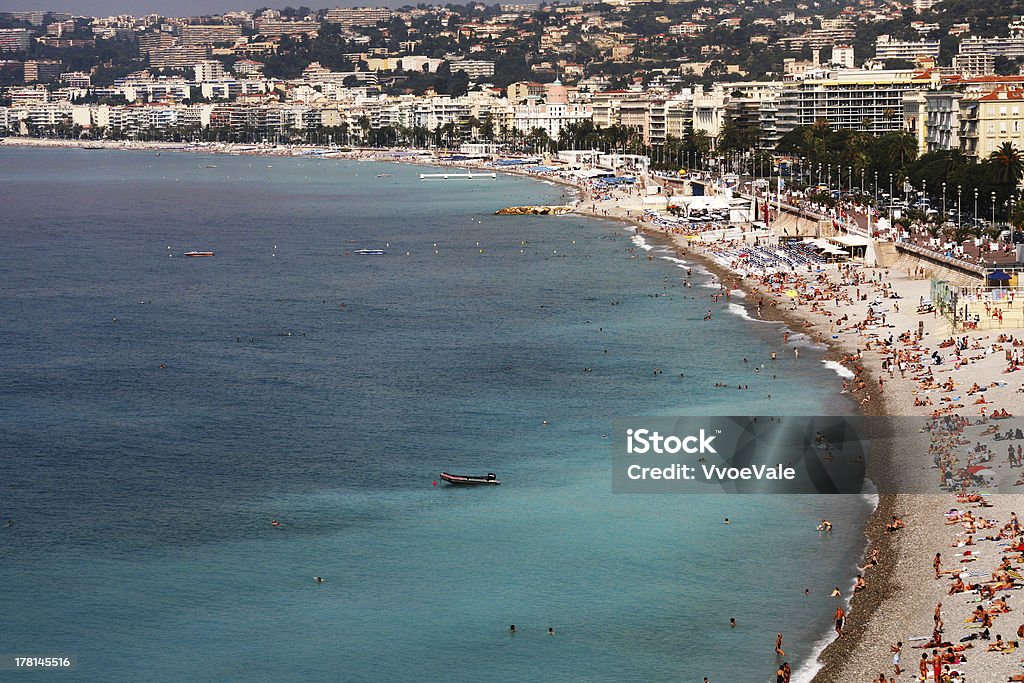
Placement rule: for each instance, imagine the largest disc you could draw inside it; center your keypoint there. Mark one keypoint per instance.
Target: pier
(453, 176)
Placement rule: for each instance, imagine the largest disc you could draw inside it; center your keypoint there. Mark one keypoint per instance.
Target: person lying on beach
(960, 544)
(958, 586)
(895, 524)
(936, 641)
(999, 606)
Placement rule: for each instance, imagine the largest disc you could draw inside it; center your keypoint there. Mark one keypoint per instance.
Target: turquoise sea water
(328, 391)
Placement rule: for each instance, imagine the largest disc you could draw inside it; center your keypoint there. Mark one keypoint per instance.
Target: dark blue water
(327, 390)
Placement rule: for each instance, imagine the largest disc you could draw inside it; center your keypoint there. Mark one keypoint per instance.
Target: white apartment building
(848, 98)
(474, 68)
(975, 64)
(942, 123)
(551, 118)
(209, 70)
(358, 16)
(709, 113)
(687, 28)
(15, 39)
(1012, 46)
(887, 48)
(842, 56)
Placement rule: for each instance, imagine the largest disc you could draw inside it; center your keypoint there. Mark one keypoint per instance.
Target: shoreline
(835, 660)
(827, 663)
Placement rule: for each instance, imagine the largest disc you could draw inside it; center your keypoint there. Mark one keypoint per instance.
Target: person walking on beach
(896, 649)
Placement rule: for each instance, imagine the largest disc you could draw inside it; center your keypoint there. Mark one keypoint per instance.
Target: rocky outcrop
(534, 211)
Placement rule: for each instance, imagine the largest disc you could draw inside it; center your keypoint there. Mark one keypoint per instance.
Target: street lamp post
(890, 201)
(993, 210)
(959, 219)
(975, 207)
(943, 202)
(1009, 218)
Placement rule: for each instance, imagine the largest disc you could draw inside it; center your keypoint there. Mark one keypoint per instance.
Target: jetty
(454, 176)
(534, 211)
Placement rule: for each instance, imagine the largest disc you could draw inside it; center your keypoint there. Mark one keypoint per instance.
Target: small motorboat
(198, 253)
(463, 480)
(369, 252)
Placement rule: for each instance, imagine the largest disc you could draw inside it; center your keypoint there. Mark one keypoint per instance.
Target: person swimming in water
(318, 579)
(551, 631)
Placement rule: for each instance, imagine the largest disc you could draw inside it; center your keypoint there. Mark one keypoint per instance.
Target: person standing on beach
(896, 649)
(840, 621)
(938, 618)
(937, 563)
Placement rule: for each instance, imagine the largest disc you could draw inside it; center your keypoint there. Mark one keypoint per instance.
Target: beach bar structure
(855, 245)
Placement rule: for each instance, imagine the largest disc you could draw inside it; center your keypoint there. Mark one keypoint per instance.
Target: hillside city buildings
(209, 74)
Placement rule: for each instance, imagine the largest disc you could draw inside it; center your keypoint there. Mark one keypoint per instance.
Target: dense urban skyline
(169, 7)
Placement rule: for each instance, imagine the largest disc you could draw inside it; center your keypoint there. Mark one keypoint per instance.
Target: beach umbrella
(977, 468)
(791, 293)
(1000, 276)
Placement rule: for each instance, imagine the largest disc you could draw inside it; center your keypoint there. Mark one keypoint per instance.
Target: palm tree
(1017, 215)
(1009, 163)
(472, 125)
(364, 127)
(903, 149)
